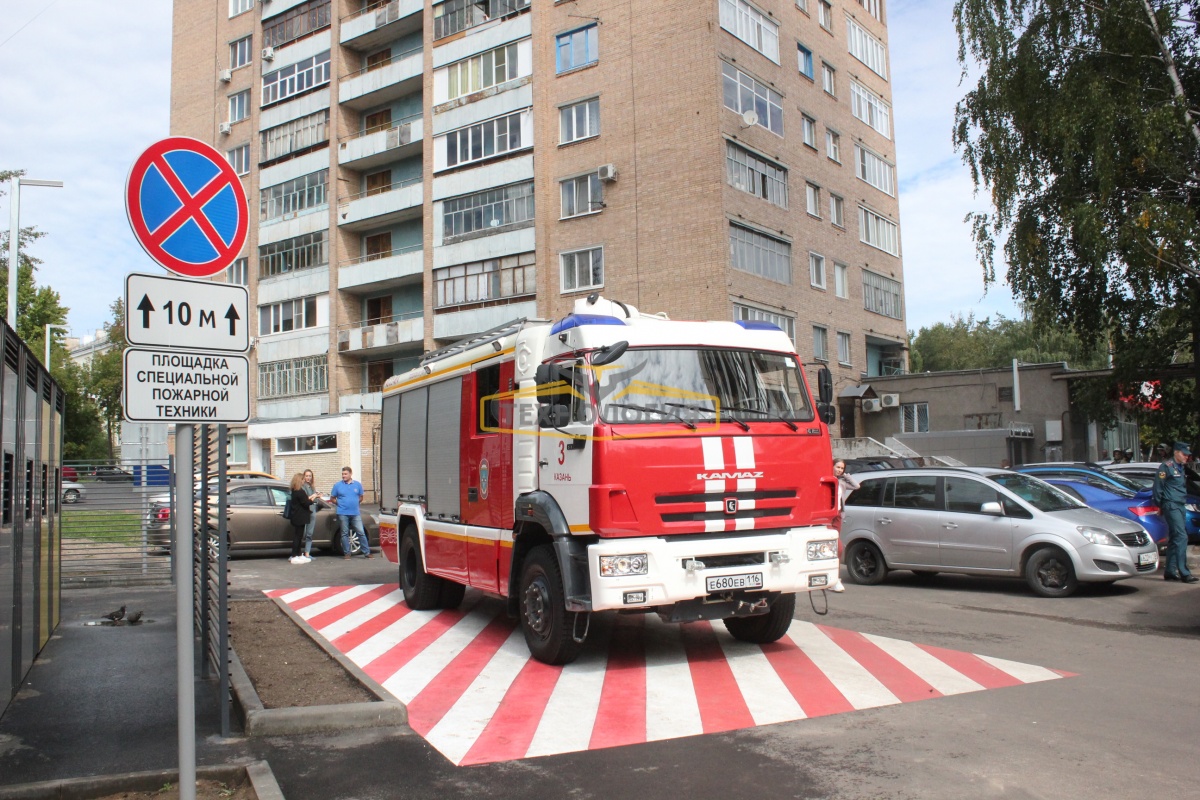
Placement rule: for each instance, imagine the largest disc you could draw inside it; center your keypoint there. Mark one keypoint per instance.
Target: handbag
(287, 509)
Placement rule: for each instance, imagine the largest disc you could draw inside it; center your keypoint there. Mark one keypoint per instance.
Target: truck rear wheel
(764, 628)
(422, 591)
(544, 618)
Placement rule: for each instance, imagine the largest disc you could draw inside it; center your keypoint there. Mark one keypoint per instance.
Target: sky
(85, 87)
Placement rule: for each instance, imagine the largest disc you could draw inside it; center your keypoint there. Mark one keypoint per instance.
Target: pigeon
(134, 618)
(116, 616)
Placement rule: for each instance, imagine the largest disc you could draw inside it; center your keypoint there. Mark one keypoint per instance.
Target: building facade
(420, 171)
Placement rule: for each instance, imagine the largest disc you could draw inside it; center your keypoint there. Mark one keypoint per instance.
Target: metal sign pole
(184, 645)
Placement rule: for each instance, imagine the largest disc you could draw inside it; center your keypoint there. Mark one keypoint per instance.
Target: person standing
(847, 483)
(1170, 492)
(300, 515)
(314, 505)
(346, 495)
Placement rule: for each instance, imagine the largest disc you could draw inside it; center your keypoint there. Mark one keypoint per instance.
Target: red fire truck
(611, 460)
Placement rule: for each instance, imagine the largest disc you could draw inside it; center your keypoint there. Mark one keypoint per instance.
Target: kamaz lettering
(727, 476)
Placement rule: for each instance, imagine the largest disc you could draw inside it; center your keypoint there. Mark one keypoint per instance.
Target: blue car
(1101, 478)
(1136, 506)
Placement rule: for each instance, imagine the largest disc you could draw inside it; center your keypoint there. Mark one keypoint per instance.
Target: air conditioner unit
(607, 172)
(871, 405)
(226, 128)
(268, 53)
(889, 400)
(226, 75)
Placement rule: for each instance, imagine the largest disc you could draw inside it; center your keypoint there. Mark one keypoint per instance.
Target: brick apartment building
(425, 170)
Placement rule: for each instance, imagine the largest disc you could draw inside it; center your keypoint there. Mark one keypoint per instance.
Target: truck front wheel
(764, 628)
(544, 618)
(422, 591)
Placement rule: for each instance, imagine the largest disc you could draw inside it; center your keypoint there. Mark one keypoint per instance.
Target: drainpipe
(1016, 387)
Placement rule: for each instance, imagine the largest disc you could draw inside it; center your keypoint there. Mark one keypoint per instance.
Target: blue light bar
(578, 320)
(758, 325)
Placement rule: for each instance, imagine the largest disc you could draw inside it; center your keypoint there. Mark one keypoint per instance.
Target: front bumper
(1100, 562)
(780, 557)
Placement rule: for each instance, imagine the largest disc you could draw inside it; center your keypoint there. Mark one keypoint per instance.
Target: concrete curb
(257, 720)
(259, 773)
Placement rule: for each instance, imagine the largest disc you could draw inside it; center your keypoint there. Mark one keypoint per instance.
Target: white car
(73, 492)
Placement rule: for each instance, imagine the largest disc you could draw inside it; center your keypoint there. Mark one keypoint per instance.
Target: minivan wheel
(1050, 573)
(864, 564)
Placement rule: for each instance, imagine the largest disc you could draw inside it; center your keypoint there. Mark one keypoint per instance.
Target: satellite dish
(750, 117)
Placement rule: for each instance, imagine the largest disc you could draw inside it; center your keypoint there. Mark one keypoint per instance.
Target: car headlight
(822, 549)
(1098, 536)
(616, 566)
(1193, 507)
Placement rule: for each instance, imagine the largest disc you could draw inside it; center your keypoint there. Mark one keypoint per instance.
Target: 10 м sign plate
(177, 386)
(176, 312)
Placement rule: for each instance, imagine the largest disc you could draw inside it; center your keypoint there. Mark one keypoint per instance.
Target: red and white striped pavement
(475, 694)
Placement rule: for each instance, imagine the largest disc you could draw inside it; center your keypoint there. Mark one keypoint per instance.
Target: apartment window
(582, 269)
(293, 376)
(805, 61)
(577, 48)
(784, 323)
(487, 210)
(236, 449)
(837, 210)
(743, 93)
(481, 281)
(872, 169)
(239, 7)
(881, 295)
(482, 71)
(238, 273)
(453, 16)
(843, 340)
(841, 280)
(296, 23)
(295, 79)
(239, 159)
(816, 270)
(866, 106)
(866, 48)
(756, 175)
(808, 127)
(292, 255)
(878, 231)
(820, 343)
(298, 194)
(873, 7)
(833, 146)
(812, 197)
(290, 315)
(238, 105)
(827, 79)
(581, 195)
(239, 52)
(484, 140)
(751, 26)
(914, 417)
(295, 136)
(802, 5)
(579, 121)
(825, 14)
(760, 254)
(307, 444)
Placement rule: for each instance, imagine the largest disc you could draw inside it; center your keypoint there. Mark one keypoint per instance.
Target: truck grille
(702, 516)
(1134, 539)
(702, 497)
(733, 560)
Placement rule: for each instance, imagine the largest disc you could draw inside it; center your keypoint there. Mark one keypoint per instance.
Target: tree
(37, 306)
(969, 344)
(1081, 128)
(105, 378)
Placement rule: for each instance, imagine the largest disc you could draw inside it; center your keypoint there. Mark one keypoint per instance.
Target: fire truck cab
(611, 460)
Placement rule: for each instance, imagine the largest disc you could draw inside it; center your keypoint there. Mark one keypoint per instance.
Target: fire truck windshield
(701, 384)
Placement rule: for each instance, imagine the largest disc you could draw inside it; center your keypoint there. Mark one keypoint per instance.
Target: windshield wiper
(662, 411)
(712, 411)
(770, 414)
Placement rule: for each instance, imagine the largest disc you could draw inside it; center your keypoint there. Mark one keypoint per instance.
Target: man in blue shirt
(1170, 492)
(346, 496)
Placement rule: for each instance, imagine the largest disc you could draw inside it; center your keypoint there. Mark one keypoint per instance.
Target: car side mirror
(993, 508)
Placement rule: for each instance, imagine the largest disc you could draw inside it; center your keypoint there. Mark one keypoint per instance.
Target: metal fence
(110, 533)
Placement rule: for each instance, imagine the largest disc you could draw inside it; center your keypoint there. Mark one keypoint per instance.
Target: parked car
(983, 521)
(874, 463)
(238, 475)
(1136, 506)
(73, 492)
(255, 520)
(1144, 471)
(109, 474)
(69, 473)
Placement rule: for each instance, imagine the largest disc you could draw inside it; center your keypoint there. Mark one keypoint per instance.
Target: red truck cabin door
(487, 501)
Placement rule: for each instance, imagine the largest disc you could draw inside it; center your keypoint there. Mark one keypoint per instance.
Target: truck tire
(422, 591)
(764, 628)
(451, 595)
(544, 618)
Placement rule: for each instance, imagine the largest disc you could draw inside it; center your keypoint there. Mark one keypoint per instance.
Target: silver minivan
(982, 521)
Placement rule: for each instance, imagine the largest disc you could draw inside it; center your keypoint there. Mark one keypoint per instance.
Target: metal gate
(117, 527)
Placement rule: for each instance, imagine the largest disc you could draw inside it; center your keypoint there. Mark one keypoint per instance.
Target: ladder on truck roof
(474, 340)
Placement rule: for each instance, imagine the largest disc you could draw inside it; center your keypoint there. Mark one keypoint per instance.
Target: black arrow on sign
(145, 307)
(232, 316)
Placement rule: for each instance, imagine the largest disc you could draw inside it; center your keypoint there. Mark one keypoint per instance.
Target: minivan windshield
(1038, 494)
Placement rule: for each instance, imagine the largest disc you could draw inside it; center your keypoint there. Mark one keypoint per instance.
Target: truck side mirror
(826, 412)
(609, 354)
(553, 416)
(824, 386)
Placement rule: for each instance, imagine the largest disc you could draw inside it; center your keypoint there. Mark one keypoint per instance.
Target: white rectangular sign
(162, 311)
(181, 386)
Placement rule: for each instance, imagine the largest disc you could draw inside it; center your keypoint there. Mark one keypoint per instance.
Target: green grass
(102, 526)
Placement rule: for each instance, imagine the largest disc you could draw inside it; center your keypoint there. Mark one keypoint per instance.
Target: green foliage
(967, 343)
(106, 376)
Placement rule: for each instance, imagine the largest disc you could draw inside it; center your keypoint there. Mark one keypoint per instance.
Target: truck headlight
(1098, 536)
(616, 566)
(822, 549)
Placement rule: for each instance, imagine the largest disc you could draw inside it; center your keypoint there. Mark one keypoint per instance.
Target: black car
(109, 474)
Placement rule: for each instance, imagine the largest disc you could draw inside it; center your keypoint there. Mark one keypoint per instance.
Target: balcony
(457, 324)
(367, 150)
(384, 82)
(380, 23)
(382, 337)
(381, 271)
(369, 398)
(374, 208)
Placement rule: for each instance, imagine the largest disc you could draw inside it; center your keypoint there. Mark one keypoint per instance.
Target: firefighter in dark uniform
(1170, 492)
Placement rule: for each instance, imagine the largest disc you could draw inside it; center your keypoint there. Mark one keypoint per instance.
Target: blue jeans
(348, 520)
(1175, 562)
(308, 533)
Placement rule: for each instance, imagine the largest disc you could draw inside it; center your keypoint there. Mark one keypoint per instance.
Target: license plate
(752, 580)
(1147, 558)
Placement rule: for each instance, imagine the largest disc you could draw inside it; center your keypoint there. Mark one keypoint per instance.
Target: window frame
(239, 102)
(808, 130)
(869, 167)
(238, 273)
(590, 116)
(754, 28)
(877, 231)
(298, 309)
(591, 266)
(828, 79)
(812, 199)
(566, 41)
(768, 255)
(841, 280)
(837, 210)
(917, 409)
(745, 86)
(751, 313)
(816, 270)
(239, 7)
(866, 48)
(871, 109)
(833, 146)
(241, 52)
(755, 174)
(821, 338)
(239, 159)
(804, 57)
(846, 353)
(594, 188)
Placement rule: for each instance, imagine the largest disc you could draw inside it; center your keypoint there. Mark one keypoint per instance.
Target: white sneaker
(305, 559)
(295, 560)
(837, 588)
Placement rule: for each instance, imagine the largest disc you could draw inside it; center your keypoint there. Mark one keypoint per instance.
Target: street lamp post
(14, 235)
(50, 327)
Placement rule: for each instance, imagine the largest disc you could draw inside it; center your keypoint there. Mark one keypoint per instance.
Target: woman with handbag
(300, 514)
(314, 505)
